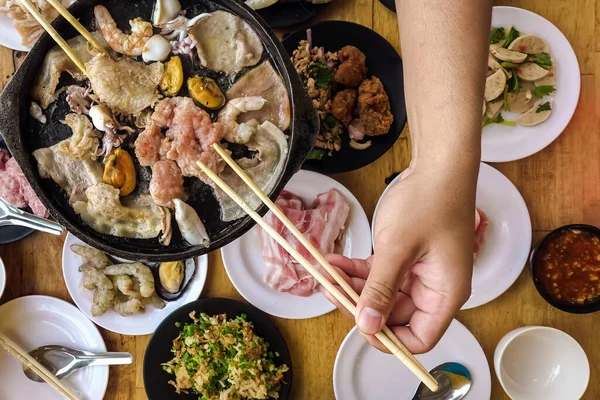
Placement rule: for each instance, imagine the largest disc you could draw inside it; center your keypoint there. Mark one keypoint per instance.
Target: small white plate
(245, 265)
(9, 37)
(507, 239)
(362, 372)
(34, 321)
(2, 278)
(501, 143)
(139, 324)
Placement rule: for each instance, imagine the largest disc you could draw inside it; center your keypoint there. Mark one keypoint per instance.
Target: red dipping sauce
(567, 265)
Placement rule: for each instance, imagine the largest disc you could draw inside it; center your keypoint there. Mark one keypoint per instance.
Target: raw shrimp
(123, 283)
(95, 258)
(240, 133)
(141, 272)
(104, 294)
(130, 45)
(128, 307)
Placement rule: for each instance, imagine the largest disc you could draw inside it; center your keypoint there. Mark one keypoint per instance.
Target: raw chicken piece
(481, 223)
(147, 145)
(321, 224)
(166, 183)
(15, 188)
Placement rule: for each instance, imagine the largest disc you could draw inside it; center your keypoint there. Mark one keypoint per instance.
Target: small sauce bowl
(565, 267)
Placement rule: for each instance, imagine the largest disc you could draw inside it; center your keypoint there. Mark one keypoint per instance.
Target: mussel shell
(189, 272)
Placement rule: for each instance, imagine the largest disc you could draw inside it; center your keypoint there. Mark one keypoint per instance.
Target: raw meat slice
(321, 224)
(15, 188)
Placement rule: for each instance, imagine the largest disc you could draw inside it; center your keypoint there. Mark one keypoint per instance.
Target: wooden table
(560, 185)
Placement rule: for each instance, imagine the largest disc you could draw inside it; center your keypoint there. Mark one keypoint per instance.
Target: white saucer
(501, 143)
(362, 372)
(245, 266)
(507, 239)
(34, 321)
(2, 278)
(9, 37)
(139, 324)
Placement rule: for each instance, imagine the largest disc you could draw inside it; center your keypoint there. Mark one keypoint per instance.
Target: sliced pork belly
(321, 224)
(15, 188)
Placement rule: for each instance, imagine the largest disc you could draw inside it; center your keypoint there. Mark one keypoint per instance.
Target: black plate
(390, 4)
(283, 15)
(384, 62)
(159, 348)
(586, 308)
(23, 135)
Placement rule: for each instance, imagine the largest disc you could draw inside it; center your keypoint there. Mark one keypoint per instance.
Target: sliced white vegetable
(191, 227)
(258, 4)
(493, 109)
(494, 85)
(548, 80)
(531, 72)
(165, 11)
(532, 117)
(508, 55)
(157, 48)
(529, 44)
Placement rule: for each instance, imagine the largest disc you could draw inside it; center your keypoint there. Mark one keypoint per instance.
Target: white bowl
(2, 278)
(541, 363)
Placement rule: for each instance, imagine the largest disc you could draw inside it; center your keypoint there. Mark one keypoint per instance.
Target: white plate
(362, 372)
(9, 37)
(34, 321)
(139, 324)
(245, 266)
(507, 239)
(2, 278)
(507, 143)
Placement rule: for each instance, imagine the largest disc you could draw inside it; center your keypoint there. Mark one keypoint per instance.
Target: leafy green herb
(497, 35)
(542, 59)
(505, 99)
(512, 35)
(506, 64)
(541, 91)
(497, 120)
(514, 85)
(321, 74)
(178, 324)
(330, 122)
(544, 107)
(244, 316)
(316, 154)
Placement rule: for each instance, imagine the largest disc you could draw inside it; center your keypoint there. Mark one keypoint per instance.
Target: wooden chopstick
(52, 32)
(35, 366)
(309, 246)
(425, 377)
(80, 28)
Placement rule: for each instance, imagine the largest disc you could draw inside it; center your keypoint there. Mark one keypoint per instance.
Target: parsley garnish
(544, 107)
(512, 35)
(321, 74)
(497, 120)
(542, 59)
(497, 35)
(505, 99)
(515, 86)
(541, 91)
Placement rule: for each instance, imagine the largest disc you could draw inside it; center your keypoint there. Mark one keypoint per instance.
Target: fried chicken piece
(352, 70)
(343, 104)
(374, 107)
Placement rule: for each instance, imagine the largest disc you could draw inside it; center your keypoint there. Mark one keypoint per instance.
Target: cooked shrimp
(130, 45)
(240, 133)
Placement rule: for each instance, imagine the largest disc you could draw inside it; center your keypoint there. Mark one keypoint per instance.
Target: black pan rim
(257, 316)
(273, 14)
(333, 166)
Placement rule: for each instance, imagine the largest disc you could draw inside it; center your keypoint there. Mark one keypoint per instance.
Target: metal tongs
(10, 215)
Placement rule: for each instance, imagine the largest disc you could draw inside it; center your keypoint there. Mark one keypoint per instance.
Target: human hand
(420, 273)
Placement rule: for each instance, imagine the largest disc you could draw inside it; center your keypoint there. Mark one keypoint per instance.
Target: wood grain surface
(560, 185)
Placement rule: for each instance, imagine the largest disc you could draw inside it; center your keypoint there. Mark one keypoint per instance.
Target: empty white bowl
(541, 363)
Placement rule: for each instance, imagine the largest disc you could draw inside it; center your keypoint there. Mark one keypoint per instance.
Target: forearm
(444, 52)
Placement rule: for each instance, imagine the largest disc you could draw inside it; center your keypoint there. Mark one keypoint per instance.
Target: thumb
(389, 266)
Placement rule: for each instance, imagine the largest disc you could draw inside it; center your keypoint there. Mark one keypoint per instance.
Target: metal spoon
(63, 361)
(10, 215)
(454, 380)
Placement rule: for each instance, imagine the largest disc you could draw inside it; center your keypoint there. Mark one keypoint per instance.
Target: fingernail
(369, 321)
